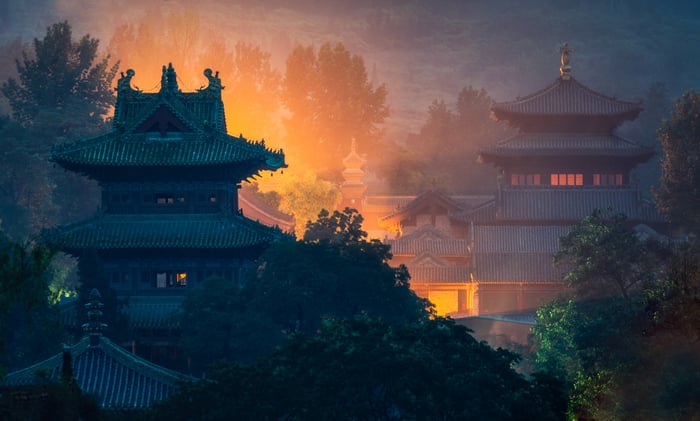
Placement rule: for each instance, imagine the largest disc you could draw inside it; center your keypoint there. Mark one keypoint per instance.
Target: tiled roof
(572, 203)
(179, 231)
(533, 267)
(557, 144)
(154, 312)
(428, 239)
(431, 196)
(516, 253)
(117, 379)
(427, 274)
(148, 149)
(518, 238)
(567, 97)
(451, 247)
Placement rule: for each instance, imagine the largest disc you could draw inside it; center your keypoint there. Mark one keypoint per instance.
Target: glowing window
(566, 179)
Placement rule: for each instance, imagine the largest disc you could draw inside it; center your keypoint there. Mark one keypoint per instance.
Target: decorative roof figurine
(565, 68)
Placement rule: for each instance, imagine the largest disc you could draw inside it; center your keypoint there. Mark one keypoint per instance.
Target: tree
(62, 84)
(604, 335)
(449, 141)
(295, 286)
(360, 368)
(678, 195)
(63, 91)
(331, 102)
(29, 326)
(604, 257)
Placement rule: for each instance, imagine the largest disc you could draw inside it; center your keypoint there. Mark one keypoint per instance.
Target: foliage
(604, 257)
(631, 318)
(304, 196)
(62, 85)
(344, 228)
(296, 285)
(29, 326)
(63, 91)
(678, 195)
(91, 275)
(448, 143)
(360, 368)
(218, 323)
(331, 103)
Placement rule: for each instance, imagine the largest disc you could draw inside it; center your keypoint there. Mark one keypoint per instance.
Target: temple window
(567, 179)
(165, 199)
(525, 180)
(171, 279)
(607, 179)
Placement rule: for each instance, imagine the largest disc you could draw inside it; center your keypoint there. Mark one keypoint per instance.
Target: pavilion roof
(168, 128)
(566, 144)
(516, 253)
(567, 97)
(116, 378)
(158, 231)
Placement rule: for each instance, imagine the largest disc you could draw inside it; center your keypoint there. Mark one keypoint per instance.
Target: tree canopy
(361, 368)
(295, 285)
(678, 195)
(331, 102)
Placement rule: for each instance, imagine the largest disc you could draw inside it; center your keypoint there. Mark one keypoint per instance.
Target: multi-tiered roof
(176, 139)
(165, 132)
(566, 119)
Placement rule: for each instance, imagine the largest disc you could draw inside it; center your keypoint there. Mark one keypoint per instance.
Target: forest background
(423, 54)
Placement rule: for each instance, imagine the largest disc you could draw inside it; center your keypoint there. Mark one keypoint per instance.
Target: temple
(120, 382)
(170, 215)
(492, 255)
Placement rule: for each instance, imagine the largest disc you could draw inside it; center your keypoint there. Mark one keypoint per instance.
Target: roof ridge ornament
(94, 326)
(168, 81)
(565, 69)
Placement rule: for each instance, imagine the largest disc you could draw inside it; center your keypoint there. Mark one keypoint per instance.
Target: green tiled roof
(180, 231)
(165, 129)
(113, 149)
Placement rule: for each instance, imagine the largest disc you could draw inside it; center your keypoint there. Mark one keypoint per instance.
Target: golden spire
(565, 68)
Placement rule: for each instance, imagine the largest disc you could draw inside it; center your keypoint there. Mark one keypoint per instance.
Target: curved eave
(641, 154)
(162, 232)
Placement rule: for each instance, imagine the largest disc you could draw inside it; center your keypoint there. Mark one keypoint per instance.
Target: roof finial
(168, 81)
(565, 68)
(94, 325)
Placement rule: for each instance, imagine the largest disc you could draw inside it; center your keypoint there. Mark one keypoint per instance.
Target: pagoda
(565, 161)
(169, 174)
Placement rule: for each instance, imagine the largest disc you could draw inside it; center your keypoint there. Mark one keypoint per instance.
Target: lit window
(569, 179)
(171, 279)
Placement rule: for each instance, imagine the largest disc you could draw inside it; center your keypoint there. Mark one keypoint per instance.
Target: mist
(425, 51)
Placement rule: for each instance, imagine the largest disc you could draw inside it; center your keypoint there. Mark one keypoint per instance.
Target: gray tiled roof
(572, 203)
(428, 239)
(516, 253)
(452, 274)
(450, 247)
(116, 378)
(567, 97)
(557, 144)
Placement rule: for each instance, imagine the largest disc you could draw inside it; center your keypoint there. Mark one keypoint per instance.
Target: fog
(428, 50)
